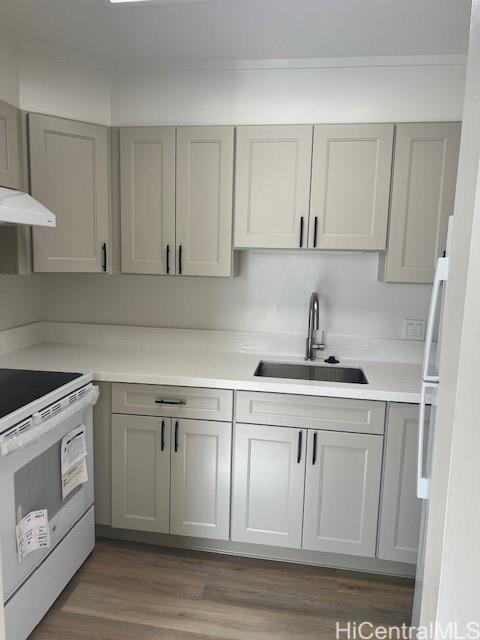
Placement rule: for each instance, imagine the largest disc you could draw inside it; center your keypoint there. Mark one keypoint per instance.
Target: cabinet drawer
(170, 401)
(311, 412)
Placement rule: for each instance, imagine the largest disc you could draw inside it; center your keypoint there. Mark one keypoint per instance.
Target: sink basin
(323, 373)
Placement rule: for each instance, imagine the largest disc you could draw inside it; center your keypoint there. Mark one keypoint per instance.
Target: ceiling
(173, 32)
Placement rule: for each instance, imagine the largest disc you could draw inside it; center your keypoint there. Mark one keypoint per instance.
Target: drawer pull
(171, 402)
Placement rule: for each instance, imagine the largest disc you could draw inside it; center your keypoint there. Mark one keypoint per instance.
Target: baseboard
(297, 556)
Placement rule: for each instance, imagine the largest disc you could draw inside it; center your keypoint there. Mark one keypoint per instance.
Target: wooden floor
(127, 591)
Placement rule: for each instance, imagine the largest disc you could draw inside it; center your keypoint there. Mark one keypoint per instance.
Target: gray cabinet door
(272, 186)
(102, 446)
(9, 146)
(268, 485)
(351, 172)
(69, 175)
(423, 193)
(201, 465)
(141, 473)
(204, 200)
(401, 509)
(342, 492)
(147, 166)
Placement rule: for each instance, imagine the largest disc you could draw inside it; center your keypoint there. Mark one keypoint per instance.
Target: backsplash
(20, 300)
(270, 295)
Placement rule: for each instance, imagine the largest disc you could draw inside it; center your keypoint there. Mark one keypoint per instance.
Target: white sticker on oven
(74, 460)
(33, 533)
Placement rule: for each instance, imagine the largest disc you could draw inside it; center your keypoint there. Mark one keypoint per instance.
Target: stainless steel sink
(323, 373)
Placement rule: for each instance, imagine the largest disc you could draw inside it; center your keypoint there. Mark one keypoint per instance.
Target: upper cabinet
(15, 241)
(9, 146)
(351, 172)
(204, 200)
(70, 176)
(272, 186)
(423, 193)
(147, 169)
(348, 174)
(176, 200)
(328, 186)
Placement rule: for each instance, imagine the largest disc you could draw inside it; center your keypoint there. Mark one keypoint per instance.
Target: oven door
(30, 479)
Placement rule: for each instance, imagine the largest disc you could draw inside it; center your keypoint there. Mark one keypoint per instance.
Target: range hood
(17, 207)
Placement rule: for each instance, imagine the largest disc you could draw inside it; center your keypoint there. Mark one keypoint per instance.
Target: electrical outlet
(414, 329)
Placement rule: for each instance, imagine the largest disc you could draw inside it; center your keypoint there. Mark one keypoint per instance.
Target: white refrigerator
(431, 380)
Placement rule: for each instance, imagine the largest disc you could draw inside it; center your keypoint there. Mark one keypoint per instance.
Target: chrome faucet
(311, 347)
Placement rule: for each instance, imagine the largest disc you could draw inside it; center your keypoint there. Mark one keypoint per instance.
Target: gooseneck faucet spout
(313, 325)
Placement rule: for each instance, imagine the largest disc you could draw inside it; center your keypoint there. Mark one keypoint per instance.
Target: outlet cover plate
(414, 330)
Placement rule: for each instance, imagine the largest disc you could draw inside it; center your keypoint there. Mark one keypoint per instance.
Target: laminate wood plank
(329, 598)
(71, 626)
(128, 590)
(201, 616)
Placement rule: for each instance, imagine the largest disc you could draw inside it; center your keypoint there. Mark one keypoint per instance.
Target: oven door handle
(37, 431)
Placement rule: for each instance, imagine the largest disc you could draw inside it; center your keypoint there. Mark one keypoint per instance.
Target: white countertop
(398, 382)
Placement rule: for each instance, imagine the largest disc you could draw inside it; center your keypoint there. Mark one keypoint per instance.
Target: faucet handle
(322, 345)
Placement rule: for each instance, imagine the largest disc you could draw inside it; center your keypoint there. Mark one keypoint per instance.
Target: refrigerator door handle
(441, 275)
(423, 481)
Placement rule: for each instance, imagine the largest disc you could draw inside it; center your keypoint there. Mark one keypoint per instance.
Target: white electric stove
(39, 410)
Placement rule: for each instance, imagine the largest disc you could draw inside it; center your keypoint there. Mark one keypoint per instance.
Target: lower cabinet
(342, 490)
(324, 482)
(318, 489)
(200, 477)
(268, 485)
(171, 476)
(400, 509)
(141, 473)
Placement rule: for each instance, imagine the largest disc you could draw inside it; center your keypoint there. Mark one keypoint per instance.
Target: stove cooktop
(19, 387)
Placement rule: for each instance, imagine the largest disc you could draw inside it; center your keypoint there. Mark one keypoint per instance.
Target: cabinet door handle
(104, 256)
(162, 437)
(315, 230)
(301, 232)
(180, 259)
(314, 456)
(441, 276)
(171, 401)
(299, 449)
(176, 437)
(168, 259)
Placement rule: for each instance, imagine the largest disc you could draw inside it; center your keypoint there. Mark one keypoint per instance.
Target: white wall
(8, 70)
(20, 300)
(382, 92)
(20, 296)
(263, 298)
(271, 294)
(63, 89)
